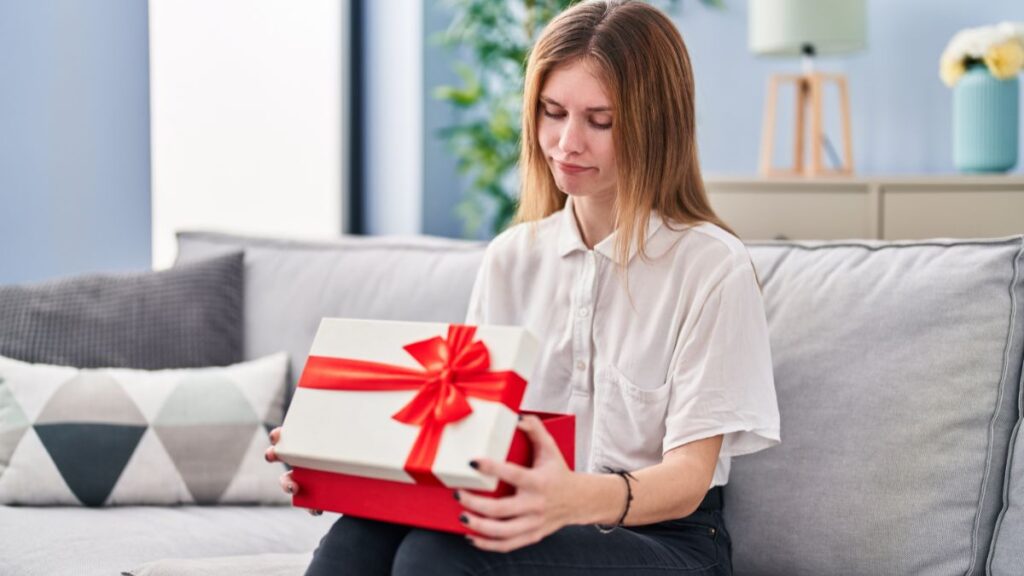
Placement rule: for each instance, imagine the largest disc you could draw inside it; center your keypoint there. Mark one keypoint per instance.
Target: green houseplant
(485, 142)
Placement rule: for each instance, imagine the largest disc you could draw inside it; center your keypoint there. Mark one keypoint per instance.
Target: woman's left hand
(544, 500)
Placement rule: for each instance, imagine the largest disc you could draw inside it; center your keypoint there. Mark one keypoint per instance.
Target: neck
(595, 218)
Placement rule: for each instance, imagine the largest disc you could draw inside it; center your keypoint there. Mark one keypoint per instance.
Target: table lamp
(806, 28)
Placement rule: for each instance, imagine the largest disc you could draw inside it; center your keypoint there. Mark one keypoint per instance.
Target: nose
(571, 141)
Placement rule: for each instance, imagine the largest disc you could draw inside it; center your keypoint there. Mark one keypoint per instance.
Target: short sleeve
(720, 376)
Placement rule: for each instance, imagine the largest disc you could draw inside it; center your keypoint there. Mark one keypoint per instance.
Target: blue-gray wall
(74, 137)
(900, 108)
(74, 116)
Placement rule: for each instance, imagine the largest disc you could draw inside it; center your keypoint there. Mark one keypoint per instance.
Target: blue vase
(985, 121)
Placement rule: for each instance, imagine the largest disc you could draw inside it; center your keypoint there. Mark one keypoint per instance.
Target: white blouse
(683, 356)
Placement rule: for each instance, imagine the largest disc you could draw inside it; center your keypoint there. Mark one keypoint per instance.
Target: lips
(571, 168)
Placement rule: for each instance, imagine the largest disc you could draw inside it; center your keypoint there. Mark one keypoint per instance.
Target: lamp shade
(784, 27)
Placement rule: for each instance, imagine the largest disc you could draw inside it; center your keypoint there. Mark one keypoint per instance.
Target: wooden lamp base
(809, 96)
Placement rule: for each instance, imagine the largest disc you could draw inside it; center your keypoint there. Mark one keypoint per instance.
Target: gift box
(387, 416)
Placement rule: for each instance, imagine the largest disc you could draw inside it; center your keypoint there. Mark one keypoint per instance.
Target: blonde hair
(639, 55)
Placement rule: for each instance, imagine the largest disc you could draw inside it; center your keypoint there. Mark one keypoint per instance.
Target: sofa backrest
(897, 366)
(290, 284)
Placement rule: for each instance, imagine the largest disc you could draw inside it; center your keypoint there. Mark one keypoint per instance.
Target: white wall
(247, 117)
(393, 34)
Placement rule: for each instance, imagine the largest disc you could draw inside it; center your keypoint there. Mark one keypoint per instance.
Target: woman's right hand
(287, 483)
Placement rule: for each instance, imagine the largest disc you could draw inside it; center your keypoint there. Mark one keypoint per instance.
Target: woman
(652, 327)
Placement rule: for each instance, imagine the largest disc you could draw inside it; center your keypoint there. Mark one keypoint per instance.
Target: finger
(538, 434)
(499, 545)
(270, 455)
(505, 507)
(514, 474)
(500, 529)
(275, 435)
(287, 484)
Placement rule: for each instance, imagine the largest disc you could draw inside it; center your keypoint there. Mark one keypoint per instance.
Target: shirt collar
(570, 240)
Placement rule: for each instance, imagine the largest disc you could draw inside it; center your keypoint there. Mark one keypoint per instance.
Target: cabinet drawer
(802, 215)
(952, 214)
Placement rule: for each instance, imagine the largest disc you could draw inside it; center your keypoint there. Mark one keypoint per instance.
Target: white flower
(975, 43)
(1012, 30)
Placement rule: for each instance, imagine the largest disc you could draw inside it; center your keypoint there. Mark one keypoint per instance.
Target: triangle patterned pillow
(110, 436)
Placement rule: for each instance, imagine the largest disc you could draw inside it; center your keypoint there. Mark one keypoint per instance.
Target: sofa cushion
(109, 541)
(897, 368)
(102, 436)
(291, 284)
(250, 565)
(1007, 555)
(185, 317)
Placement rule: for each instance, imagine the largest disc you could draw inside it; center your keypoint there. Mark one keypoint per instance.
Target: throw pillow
(108, 436)
(188, 316)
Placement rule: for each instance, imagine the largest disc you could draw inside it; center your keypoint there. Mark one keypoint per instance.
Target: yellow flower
(950, 71)
(1005, 60)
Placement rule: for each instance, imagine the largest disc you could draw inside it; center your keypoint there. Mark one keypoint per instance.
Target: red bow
(455, 369)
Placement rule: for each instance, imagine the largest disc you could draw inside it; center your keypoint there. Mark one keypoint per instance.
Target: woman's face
(574, 127)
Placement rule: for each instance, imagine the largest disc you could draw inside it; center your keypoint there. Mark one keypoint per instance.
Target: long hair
(639, 55)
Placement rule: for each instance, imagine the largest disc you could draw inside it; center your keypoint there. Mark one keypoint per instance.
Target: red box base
(431, 507)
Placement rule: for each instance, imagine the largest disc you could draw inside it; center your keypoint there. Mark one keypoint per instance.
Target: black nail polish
(266, 457)
(455, 495)
(520, 417)
(474, 464)
(463, 518)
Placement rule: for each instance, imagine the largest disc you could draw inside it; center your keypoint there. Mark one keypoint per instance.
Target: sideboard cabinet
(896, 208)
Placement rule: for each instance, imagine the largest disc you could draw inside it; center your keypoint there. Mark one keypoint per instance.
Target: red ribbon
(455, 369)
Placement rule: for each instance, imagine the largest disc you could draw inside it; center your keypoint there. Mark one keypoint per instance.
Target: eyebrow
(547, 100)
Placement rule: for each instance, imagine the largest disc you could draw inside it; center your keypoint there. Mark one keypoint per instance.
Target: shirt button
(584, 312)
(581, 365)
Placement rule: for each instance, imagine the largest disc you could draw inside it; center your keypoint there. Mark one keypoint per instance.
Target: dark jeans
(697, 545)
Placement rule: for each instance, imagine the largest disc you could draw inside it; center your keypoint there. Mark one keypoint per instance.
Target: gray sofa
(898, 369)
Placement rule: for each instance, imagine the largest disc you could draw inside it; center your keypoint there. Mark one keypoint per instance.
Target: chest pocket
(629, 422)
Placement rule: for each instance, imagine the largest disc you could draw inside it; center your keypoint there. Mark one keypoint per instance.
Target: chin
(576, 191)
(571, 191)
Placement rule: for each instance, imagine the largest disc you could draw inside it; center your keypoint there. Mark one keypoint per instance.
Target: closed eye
(560, 115)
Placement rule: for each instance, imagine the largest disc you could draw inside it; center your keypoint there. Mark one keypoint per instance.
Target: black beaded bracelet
(626, 477)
